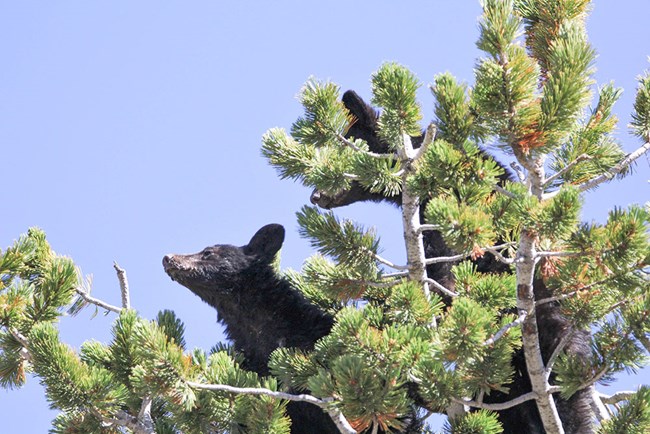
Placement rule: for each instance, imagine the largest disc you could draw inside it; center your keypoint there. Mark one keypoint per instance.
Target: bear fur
(260, 310)
(524, 418)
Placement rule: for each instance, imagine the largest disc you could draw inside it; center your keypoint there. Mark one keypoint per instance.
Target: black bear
(575, 412)
(365, 127)
(260, 310)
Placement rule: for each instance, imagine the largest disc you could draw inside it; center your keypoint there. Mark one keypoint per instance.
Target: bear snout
(168, 262)
(320, 199)
(315, 197)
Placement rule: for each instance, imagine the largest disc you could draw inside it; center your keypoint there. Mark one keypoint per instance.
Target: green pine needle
(394, 89)
(351, 245)
(641, 115)
(172, 326)
(325, 116)
(633, 417)
(479, 422)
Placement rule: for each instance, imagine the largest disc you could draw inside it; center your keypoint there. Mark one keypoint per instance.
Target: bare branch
(429, 136)
(440, 259)
(498, 335)
(97, 302)
(617, 397)
(24, 352)
(495, 251)
(572, 293)
(519, 171)
(556, 352)
(388, 263)
(394, 275)
(566, 168)
(504, 405)
(386, 284)
(441, 288)
(503, 191)
(594, 380)
(122, 418)
(19, 337)
(425, 227)
(145, 412)
(124, 285)
(350, 144)
(492, 249)
(629, 159)
(337, 417)
(558, 254)
(600, 410)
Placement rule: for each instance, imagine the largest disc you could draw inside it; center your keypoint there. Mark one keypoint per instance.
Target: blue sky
(132, 129)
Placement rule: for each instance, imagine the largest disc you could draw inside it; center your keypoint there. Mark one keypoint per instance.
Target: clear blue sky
(132, 129)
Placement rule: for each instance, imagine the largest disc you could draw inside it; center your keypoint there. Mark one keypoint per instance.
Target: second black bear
(575, 412)
(260, 310)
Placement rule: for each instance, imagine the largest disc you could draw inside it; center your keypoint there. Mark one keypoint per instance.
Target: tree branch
(556, 352)
(600, 410)
(493, 249)
(97, 302)
(429, 137)
(427, 227)
(498, 335)
(503, 191)
(124, 286)
(503, 405)
(139, 425)
(350, 144)
(544, 254)
(525, 261)
(441, 288)
(629, 159)
(617, 397)
(394, 275)
(566, 168)
(337, 417)
(24, 352)
(388, 263)
(439, 259)
(519, 171)
(145, 413)
(122, 418)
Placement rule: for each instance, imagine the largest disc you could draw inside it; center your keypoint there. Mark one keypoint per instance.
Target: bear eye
(207, 255)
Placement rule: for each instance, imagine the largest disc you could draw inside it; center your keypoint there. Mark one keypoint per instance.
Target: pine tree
(403, 345)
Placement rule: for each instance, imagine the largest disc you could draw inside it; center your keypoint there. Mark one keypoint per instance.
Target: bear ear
(365, 114)
(267, 241)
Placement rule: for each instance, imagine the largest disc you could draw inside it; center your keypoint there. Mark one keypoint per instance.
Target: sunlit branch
(504, 405)
(556, 352)
(98, 302)
(429, 137)
(441, 288)
(617, 397)
(336, 415)
(519, 171)
(503, 191)
(351, 144)
(498, 335)
(124, 286)
(565, 169)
